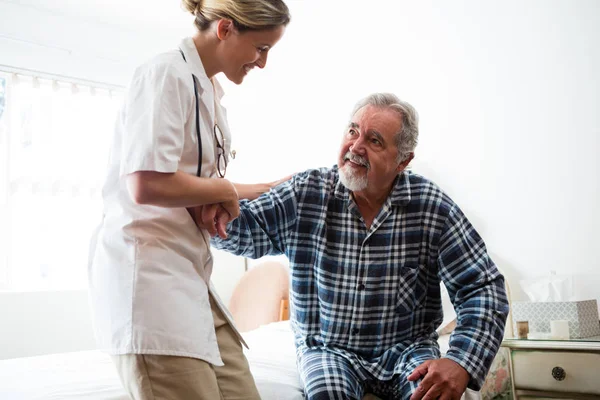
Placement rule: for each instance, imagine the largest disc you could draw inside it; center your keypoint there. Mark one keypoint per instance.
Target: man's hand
(214, 217)
(443, 379)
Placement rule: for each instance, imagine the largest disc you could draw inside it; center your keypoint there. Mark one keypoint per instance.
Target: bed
(259, 306)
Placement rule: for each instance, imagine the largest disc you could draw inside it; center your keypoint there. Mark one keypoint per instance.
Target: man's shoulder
(424, 190)
(316, 178)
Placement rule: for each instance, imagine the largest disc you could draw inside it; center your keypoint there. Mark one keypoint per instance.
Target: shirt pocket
(411, 288)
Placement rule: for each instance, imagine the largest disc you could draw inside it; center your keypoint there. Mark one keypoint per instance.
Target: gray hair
(406, 139)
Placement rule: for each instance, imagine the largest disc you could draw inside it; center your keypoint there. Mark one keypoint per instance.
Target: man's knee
(336, 385)
(331, 394)
(329, 376)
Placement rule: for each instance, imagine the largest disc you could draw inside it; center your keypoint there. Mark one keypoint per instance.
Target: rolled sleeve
(156, 109)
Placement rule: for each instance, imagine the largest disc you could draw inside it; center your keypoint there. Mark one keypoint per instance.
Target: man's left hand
(442, 379)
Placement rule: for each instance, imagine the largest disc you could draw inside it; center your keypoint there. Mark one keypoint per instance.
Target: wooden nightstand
(551, 369)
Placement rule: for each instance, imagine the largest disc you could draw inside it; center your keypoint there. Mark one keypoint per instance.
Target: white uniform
(150, 266)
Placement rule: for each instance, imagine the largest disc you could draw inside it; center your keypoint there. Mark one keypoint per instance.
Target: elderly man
(368, 244)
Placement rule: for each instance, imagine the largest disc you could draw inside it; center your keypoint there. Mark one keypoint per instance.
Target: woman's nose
(262, 60)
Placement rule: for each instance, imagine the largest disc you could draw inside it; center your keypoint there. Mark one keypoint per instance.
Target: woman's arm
(179, 189)
(214, 217)
(254, 190)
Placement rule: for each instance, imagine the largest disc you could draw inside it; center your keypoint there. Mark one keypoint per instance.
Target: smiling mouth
(356, 161)
(355, 164)
(247, 69)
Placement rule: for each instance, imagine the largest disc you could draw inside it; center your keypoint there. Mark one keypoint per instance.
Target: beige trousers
(156, 377)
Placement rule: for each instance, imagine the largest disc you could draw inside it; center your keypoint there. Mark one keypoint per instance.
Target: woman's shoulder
(168, 65)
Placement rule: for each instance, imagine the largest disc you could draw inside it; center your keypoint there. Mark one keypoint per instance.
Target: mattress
(91, 374)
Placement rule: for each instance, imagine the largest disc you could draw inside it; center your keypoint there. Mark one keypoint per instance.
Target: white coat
(150, 266)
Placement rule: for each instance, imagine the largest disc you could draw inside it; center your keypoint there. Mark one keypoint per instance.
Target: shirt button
(361, 286)
(355, 331)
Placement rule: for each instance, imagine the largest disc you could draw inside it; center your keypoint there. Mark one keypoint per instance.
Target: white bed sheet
(66, 376)
(272, 358)
(91, 374)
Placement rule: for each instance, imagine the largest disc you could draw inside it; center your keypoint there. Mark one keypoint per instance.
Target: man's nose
(358, 146)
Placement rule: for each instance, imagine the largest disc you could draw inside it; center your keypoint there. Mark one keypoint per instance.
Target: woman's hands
(215, 217)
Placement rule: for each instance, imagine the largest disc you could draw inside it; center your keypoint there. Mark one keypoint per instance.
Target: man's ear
(225, 28)
(402, 166)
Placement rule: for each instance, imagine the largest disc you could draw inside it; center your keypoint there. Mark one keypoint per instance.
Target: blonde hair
(246, 15)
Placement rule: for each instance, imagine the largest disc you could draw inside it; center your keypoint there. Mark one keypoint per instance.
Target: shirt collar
(192, 58)
(400, 195)
(195, 63)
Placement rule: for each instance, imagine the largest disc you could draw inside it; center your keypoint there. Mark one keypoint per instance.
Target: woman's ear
(225, 28)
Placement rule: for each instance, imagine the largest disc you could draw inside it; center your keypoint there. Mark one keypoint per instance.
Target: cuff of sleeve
(464, 359)
(134, 165)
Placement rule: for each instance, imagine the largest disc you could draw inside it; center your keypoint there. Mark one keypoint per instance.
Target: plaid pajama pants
(330, 376)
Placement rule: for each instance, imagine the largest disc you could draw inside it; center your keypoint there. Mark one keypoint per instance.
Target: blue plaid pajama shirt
(372, 296)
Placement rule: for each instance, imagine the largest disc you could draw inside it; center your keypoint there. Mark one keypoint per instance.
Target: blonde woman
(154, 309)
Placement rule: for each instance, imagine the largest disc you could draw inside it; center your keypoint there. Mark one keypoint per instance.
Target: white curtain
(56, 137)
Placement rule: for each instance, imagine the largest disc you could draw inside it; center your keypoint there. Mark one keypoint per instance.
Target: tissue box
(582, 316)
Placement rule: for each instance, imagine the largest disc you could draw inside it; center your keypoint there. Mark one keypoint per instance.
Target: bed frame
(261, 296)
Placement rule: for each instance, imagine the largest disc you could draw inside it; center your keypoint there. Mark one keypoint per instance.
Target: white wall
(36, 323)
(35, 36)
(508, 93)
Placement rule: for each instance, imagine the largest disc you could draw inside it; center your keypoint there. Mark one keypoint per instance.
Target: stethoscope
(197, 120)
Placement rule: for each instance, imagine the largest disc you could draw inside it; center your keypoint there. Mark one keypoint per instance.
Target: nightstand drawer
(542, 398)
(534, 370)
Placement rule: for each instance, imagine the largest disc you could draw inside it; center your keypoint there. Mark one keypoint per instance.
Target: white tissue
(559, 329)
(549, 288)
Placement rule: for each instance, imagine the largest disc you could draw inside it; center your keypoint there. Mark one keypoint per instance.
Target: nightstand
(555, 369)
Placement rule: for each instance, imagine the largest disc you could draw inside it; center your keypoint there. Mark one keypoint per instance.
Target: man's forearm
(480, 330)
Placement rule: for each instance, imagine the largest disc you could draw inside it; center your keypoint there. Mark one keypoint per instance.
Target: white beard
(352, 180)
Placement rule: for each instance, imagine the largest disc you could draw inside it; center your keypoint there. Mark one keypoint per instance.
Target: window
(54, 142)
